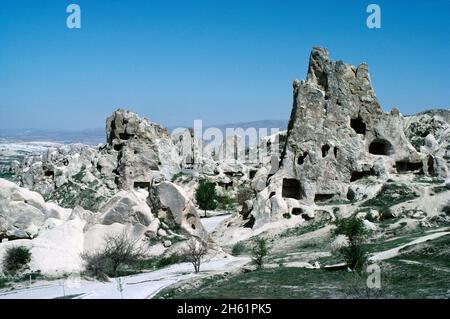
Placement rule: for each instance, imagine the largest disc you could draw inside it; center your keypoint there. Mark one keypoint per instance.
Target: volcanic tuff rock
(337, 135)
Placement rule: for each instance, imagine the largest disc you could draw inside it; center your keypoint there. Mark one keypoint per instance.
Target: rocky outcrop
(144, 150)
(338, 135)
(23, 213)
(175, 206)
(127, 207)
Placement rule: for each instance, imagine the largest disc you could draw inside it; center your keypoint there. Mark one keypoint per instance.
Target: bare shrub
(196, 250)
(118, 250)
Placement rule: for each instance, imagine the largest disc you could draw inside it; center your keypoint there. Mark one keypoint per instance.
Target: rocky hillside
(341, 156)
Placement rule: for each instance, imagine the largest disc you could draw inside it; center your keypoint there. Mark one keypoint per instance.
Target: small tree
(16, 259)
(354, 253)
(196, 250)
(259, 251)
(206, 196)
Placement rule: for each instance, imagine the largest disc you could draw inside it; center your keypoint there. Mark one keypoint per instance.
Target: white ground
(212, 222)
(140, 286)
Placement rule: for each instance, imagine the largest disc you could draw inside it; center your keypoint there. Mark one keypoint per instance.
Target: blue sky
(221, 61)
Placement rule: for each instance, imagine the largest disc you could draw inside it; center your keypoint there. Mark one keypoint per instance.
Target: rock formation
(338, 134)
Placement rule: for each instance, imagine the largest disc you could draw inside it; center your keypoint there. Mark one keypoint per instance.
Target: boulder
(127, 207)
(177, 207)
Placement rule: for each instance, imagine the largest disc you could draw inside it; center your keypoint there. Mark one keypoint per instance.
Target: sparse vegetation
(118, 250)
(16, 259)
(260, 250)
(390, 194)
(244, 193)
(353, 228)
(196, 250)
(238, 248)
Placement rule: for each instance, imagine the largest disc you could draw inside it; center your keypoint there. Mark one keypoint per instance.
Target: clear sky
(221, 61)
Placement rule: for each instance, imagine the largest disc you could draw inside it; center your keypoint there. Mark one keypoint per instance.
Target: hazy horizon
(222, 62)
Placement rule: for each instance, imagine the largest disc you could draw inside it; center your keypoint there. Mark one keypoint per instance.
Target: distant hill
(98, 135)
(443, 113)
(88, 136)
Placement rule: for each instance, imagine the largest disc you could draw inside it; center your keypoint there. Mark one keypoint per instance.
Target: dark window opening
(125, 136)
(430, 164)
(225, 185)
(358, 125)
(351, 196)
(320, 198)
(291, 188)
(306, 217)
(66, 162)
(272, 195)
(381, 147)
(252, 174)
(143, 185)
(302, 158)
(297, 211)
(325, 150)
(250, 223)
(446, 210)
(404, 167)
(49, 173)
(359, 175)
(118, 147)
(230, 174)
(193, 226)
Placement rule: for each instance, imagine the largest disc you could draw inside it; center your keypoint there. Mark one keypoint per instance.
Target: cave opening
(118, 147)
(142, 185)
(49, 173)
(125, 136)
(297, 211)
(325, 150)
(335, 151)
(430, 165)
(252, 174)
(381, 147)
(250, 223)
(407, 167)
(291, 188)
(359, 175)
(358, 126)
(301, 158)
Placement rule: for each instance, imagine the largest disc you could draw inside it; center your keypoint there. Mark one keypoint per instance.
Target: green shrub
(391, 194)
(259, 251)
(238, 249)
(244, 193)
(353, 228)
(3, 282)
(16, 259)
(225, 202)
(287, 215)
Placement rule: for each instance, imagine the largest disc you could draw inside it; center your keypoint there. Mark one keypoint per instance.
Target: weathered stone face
(142, 147)
(337, 134)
